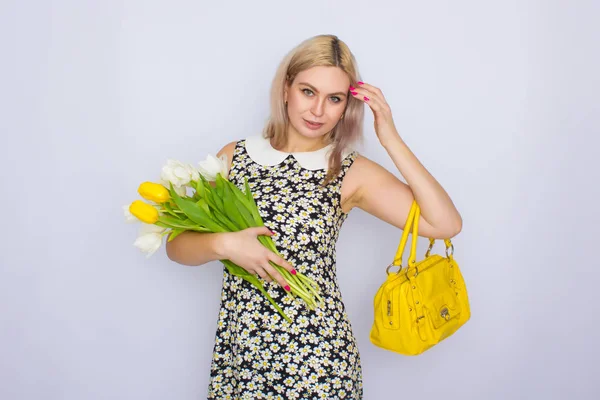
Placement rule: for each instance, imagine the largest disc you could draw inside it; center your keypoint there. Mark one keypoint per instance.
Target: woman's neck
(297, 143)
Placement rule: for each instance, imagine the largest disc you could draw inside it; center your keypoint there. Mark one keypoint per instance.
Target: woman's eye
(310, 93)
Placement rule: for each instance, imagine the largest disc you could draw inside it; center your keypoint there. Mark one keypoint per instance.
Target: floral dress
(258, 354)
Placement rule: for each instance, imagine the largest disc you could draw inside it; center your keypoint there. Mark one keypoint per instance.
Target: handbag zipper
(389, 308)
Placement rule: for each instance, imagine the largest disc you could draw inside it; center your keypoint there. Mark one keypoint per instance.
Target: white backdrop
(499, 100)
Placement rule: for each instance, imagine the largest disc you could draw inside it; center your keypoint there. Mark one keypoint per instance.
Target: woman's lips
(310, 125)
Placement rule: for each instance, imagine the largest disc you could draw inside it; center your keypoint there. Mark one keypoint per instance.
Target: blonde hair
(320, 50)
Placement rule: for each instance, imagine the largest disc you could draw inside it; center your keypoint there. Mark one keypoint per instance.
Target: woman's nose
(317, 108)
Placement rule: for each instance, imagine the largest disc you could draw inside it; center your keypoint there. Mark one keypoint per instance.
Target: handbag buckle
(412, 262)
(387, 270)
(416, 272)
(448, 248)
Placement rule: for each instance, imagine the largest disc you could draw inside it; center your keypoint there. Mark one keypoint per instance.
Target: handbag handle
(413, 221)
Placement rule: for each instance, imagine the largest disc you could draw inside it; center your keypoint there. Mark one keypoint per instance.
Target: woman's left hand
(384, 123)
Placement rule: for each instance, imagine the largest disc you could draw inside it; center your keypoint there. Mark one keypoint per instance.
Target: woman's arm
(380, 193)
(196, 248)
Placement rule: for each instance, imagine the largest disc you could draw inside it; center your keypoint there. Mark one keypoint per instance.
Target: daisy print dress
(257, 353)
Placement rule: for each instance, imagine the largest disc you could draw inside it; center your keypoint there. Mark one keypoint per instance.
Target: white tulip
(178, 173)
(194, 173)
(129, 217)
(212, 166)
(180, 190)
(149, 239)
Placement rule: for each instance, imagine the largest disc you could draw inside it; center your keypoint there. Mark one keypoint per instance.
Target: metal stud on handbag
(420, 305)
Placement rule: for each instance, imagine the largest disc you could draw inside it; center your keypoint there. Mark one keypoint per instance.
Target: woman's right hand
(244, 249)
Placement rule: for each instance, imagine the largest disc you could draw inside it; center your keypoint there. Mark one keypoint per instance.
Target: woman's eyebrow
(316, 90)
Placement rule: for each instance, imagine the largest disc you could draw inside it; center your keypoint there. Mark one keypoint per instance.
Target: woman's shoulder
(228, 150)
(364, 169)
(361, 171)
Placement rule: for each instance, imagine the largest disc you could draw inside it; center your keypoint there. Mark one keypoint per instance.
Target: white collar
(260, 151)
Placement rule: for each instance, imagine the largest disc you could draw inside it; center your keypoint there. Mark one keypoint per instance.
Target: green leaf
(200, 189)
(208, 196)
(195, 212)
(219, 186)
(244, 213)
(211, 196)
(176, 221)
(224, 221)
(203, 180)
(238, 192)
(202, 203)
(203, 187)
(174, 233)
(219, 203)
(210, 203)
(200, 229)
(240, 195)
(171, 222)
(251, 210)
(231, 210)
(170, 209)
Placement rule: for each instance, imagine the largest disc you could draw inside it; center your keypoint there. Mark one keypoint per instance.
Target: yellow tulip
(154, 192)
(144, 211)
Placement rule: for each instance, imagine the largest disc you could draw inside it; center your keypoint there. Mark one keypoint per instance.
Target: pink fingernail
(287, 288)
(360, 83)
(352, 88)
(354, 93)
(366, 98)
(293, 272)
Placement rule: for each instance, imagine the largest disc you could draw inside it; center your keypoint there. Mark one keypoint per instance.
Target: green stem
(242, 273)
(301, 285)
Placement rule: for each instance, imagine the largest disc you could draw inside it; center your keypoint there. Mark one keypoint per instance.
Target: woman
(306, 178)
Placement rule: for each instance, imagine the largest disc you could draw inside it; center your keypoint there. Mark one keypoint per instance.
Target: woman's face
(319, 95)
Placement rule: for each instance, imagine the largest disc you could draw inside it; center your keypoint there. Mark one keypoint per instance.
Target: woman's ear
(285, 92)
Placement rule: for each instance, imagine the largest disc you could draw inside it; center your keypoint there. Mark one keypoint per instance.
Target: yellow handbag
(422, 304)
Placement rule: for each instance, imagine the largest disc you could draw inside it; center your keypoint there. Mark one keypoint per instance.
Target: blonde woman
(306, 177)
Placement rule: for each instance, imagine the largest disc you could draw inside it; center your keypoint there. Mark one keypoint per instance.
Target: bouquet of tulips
(218, 207)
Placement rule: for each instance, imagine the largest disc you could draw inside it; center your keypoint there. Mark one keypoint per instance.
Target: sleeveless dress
(258, 354)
